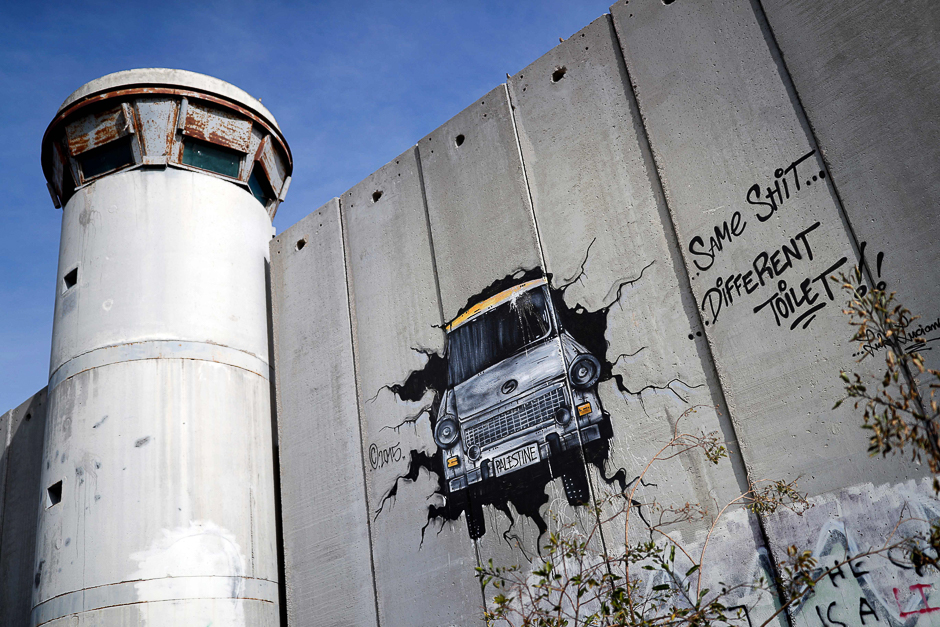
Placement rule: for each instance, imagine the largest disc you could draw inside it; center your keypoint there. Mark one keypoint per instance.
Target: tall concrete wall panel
(21, 499)
(326, 521)
(600, 216)
(868, 74)
(397, 322)
(727, 134)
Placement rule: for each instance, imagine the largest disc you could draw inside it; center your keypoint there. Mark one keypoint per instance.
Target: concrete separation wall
(636, 231)
(21, 498)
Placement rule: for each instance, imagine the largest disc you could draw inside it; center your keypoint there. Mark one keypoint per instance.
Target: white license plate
(514, 460)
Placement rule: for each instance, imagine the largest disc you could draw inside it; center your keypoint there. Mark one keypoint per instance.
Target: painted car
(521, 391)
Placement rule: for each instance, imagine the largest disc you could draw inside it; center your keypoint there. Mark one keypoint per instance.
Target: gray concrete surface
(20, 494)
(396, 325)
(478, 204)
(327, 555)
(868, 74)
(722, 120)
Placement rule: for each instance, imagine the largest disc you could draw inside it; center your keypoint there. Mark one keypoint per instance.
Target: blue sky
(352, 85)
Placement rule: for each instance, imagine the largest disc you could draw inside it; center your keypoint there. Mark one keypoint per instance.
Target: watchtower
(158, 464)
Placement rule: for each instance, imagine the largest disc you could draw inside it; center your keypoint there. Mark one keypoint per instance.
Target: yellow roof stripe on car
(492, 302)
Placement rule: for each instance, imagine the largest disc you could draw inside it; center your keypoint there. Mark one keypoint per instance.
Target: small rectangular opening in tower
(70, 279)
(54, 494)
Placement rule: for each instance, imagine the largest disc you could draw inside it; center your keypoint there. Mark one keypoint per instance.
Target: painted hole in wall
(54, 494)
(301, 243)
(459, 139)
(70, 279)
(559, 73)
(377, 194)
(515, 403)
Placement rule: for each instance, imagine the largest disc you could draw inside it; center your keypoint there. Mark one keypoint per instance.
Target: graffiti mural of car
(521, 392)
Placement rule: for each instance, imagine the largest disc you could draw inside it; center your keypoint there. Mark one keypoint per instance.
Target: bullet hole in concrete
(559, 73)
(668, 1)
(459, 139)
(376, 195)
(70, 279)
(301, 243)
(54, 494)
(142, 441)
(27, 416)
(68, 541)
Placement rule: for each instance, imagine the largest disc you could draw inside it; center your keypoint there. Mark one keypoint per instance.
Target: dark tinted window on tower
(260, 188)
(107, 158)
(210, 157)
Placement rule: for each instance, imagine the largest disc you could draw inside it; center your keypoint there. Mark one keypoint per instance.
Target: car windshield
(497, 334)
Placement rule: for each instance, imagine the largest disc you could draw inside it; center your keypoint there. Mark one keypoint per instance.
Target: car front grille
(528, 414)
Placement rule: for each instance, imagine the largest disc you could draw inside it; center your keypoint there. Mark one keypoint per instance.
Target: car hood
(530, 369)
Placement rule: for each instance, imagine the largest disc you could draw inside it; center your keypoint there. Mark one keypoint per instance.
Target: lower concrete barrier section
(867, 75)
(327, 555)
(881, 586)
(20, 468)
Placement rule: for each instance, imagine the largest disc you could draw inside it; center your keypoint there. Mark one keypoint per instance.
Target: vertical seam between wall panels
(352, 347)
(427, 222)
(440, 304)
(672, 234)
(538, 240)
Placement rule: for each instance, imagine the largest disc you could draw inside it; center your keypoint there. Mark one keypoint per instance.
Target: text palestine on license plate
(519, 458)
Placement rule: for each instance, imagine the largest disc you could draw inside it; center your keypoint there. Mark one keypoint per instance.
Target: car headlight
(446, 432)
(584, 371)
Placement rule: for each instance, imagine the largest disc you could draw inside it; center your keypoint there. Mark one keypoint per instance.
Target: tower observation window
(211, 157)
(107, 158)
(259, 185)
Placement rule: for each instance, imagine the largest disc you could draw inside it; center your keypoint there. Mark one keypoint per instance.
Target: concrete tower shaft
(158, 463)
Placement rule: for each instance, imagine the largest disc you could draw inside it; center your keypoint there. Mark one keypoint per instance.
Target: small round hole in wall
(376, 195)
(559, 73)
(301, 243)
(668, 1)
(459, 139)
(27, 416)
